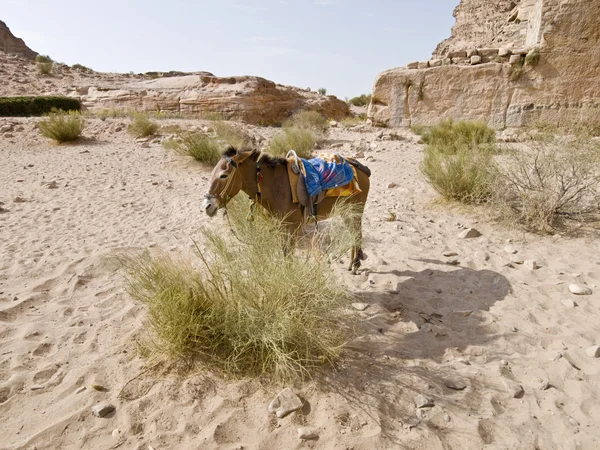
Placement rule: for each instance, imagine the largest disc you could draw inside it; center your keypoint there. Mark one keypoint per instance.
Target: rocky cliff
(13, 45)
(481, 72)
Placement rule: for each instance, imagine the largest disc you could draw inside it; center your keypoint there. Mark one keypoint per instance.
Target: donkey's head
(225, 181)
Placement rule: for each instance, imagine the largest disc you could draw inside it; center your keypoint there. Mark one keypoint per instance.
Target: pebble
(457, 385)
(307, 433)
(514, 329)
(447, 418)
(516, 259)
(285, 403)
(453, 262)
(392, 185)
(423, 401)
(80, 390)
(510, 249)
(568, 303)
(102, 409)
(531, 264)
(469, 233)
(449, 254)
(360, 306)
(37, 387)
(514, 389)
(116, 433)
(504, 362)
(481, 256)
(580, 289)
(593, 351)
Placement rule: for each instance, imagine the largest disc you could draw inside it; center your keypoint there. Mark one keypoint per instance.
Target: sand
(468, 336)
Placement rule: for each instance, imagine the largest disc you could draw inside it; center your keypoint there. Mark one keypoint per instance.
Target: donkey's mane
(269, 160)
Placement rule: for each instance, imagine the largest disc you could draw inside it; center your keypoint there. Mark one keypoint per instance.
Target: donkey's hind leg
(357, 254)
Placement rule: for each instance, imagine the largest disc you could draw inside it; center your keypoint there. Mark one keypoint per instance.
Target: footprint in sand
(44, 375)
(43, 349)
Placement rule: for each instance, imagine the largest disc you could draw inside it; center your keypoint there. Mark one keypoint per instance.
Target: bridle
(223, 194)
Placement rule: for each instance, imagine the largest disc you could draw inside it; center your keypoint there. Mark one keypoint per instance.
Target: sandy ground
(66, 322)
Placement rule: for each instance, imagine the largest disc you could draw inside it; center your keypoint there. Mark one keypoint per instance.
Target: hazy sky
(340, 45)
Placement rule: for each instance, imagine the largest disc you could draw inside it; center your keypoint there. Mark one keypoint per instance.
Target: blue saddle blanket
(322, 175)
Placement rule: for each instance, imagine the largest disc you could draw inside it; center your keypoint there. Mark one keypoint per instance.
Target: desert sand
(498, 348)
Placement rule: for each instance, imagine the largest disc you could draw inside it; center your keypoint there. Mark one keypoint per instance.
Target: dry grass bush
(62, 126)
(203, 148)
(551, 181)
(230, 135)
(299, 139)
(458, 160)
(247, 309)
(44, 64)
(308, 120)
(141, 126)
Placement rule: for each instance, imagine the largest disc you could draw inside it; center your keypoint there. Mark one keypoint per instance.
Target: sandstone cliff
(13, 45)
(479, 72)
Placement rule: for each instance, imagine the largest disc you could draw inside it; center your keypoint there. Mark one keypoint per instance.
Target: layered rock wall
(480, 71)
(13, 45)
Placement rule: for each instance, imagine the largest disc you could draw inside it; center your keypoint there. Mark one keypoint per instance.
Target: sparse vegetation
(299, 139)
(353, 121)
(555, 179)
(201, 147)
(308, 120)
(516, 70)
(141, 126)
(533, 57)
(247, 309)
(112, 113)
(230, 135)
(81, 68)
(458, 160)
(421, 91)
(213, 115)
(322, 91)
(44, 64)
(62, 126)
(361, 100)
(36, 106)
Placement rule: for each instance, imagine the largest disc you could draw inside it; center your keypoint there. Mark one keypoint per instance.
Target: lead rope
(258, 196)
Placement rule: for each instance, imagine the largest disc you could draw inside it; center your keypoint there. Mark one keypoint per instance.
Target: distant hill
(11, 44)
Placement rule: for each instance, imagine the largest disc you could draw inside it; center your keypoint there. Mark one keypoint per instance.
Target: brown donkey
(241, 169)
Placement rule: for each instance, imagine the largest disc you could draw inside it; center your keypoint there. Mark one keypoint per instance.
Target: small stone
(475, 59)
(116, 433)
(568, 303)
(435, 63)
(102, 409)
(333, 124)
(514, 329)
(337, 145)
(471, 52)
(573, 422)
(510, 249)
(516, 259)
(579, 289)
(307, 433)
(413, 65)
(544, 385)
(514, 388)
(360, 306)
(469, 233)
(98, 387)
(457, 385)
(503, 51)
(423, 401)
(453, 262)
(447, 418)
(515, 59)
(593, 351)
(531, 264)
(504, 362)
(285, 403)
(449, 254)
(481, 256)
(37, 387)
(80, 390)
(52, 185)
(392, 185)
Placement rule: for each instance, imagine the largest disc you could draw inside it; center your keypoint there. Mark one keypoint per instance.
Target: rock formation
(13, 45)
(480, 71)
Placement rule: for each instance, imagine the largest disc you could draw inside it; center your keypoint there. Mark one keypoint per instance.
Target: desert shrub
(141, 126)
(449, 137)
(299, 139)
(112, 113)
(533, 57)
(62, 126)
(308, 120)
(36, 106)
(213, 115)
(322, 91)
(230, 135)
(244, 308)
(353, 121)
(361, 100)
(44, 64)
(201, 147)
(550, 181)
(81, 68)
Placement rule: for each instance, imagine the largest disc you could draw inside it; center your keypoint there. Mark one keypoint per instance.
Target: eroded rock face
(13, 45)
(501, 89)
(251, 99)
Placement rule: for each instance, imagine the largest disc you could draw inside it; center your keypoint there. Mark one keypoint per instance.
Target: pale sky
(340, 45)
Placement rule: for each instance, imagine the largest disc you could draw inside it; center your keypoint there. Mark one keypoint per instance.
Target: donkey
(265, 178)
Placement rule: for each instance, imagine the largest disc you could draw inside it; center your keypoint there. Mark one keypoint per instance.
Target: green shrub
(81, 68)
(142, 126)
(62, 126)
(299, 139)
(308, 120)
(361, 100)
(245, 308)
(322, 91)
(44, 64)
(533, 57)
(201, 147)
(230, 135)
(35, 106)
(449, 137)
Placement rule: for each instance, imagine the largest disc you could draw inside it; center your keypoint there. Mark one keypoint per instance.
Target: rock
(423, 65)
(435, 63)
(475, 59)
(307, 433)
(513, 388)
(515, 59)
(424, 401)
(449, 254)
(531, 264)
(413, 65)
(480, 255)
(447, 418)
(8, 135)
(102, 409)
(359, 155)
(503, 51)
(472, 52)
(80, 390)
(573, 422)
(458, 54)
(392, 185)
(333, 124)
(116, 433)
(337, 145)
(580, 289)
(568, 303)
(516, 259)
(510, 249)
(593, 351)
(457, 385)
(544, 385)
(36, 387)
(488, 52)
(285, 403)
(6, 128)
(360, 306)
(453, 262)
(469, 233)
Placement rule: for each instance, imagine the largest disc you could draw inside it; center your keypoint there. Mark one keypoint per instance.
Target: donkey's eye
(222, 177)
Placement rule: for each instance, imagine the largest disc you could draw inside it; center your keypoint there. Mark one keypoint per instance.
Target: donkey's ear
(242, 154)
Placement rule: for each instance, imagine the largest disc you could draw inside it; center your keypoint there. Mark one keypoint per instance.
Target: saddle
(298, 185)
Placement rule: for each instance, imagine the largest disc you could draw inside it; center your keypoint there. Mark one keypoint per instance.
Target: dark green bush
(361, 100)
(36, 106)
